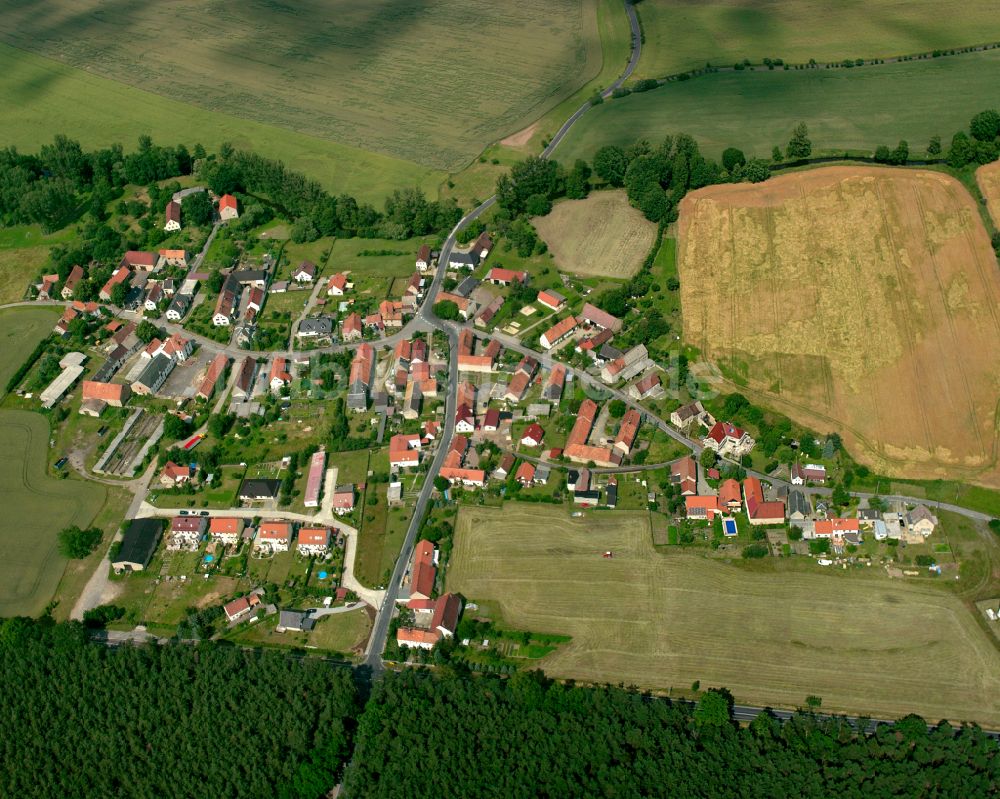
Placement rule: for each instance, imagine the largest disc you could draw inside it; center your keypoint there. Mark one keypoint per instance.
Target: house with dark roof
(138, 545)
(153, 376)
(255, 489)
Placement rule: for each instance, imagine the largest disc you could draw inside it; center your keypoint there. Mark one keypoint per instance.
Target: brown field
(988, 178)
(773, 635)
(602, 235)
(861, 300)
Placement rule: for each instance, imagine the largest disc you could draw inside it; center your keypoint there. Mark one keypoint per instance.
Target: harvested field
(380, 75)
(602, 235)
(861, 300)
(661, 621)
(988, 178)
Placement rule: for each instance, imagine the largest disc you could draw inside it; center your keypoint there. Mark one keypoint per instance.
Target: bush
(75, 543)
(754, 551)
(819, 546)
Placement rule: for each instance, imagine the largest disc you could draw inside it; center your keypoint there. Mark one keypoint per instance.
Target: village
(522, 395)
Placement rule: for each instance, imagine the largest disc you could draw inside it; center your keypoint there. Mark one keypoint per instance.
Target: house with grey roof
(153, 376)
(320, 327)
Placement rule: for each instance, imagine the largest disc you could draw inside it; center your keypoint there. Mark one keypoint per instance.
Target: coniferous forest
(79, 719)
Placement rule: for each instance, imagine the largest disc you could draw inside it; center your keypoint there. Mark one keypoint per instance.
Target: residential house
(525, 473)
(627, 366)
(138, 545)
(758, 510)
(809, 473)
(491, 421)
(242, 607)
(314, 541)
(337, 285)
(684, 473)
(343, 499)
(646, 387)
(173, 216)
(72, 280)
(305, 273)
(256, 489)
(319, 327)
(463, 260)
(483, 245)
(186, 532)
(279, 376)
(360, 378)
(730, 496)
(705, 508)
(153, 376)
(173, 474)
(499, 276)
(799, 508)
(468, 361)
(578, 450)
(173, 258)
(558, 333)
(692, 412)
(593, 315)
(920, 521)
(465, 422)
(464, 304)
(532, 436)
(225, 529)
(423, 262)
(504, 467)
(488, 311)
(273, 536)
(228, 208)
(295, 621)
(423, 573)
(226, 307)
(542, 472)
(728, 440)
(351, 328)
(404, 450)
(628, 431)
(554, 386)
(120, 275)
(178, 307)
(47, 286)
(215, 371)
(551, 299)
(139, 261)
(243, 388)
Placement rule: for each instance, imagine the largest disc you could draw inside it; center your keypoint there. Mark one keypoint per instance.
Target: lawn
(770, 635)
(342, 632)
(37, 508)
(798, 261)
(403, 71)
(24, 250)
(684, 34)
(602, 235)
(845, 109)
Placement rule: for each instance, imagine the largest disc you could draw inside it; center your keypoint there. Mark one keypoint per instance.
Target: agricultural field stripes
(600, 236)
(846, 109)
(681, 35)
(428, 83)
(772, 636)
(42, 97)
(881, 290)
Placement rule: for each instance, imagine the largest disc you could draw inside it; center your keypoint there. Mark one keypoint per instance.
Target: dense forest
(422, 736)
(82, 720)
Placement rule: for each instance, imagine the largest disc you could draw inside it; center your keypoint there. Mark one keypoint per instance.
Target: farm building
(758, 510)
(558, 333)
(314, 481)
(138, 545)
(173, 216)
(684, 473)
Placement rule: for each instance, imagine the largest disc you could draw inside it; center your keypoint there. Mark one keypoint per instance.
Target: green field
(684, 34)
(42, 97)
(431, 83)
(773, 633)
(855, 109)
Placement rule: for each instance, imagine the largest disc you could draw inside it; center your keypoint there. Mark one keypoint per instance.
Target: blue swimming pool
(729, 526)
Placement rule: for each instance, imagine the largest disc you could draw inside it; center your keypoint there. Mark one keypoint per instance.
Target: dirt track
(988, 178)
(863, 300)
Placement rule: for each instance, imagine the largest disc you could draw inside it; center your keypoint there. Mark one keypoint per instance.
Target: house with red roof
(499, 276)
(759, 511)
(274, 536)
(173, 216)
(314, 541)
(351, 328)
(533, 435)
(465, 422)
(306, 272)
(404, 450)
(628, 431)
(228, 208)
(593, 315)
(645, 387)
(525, 473)
(174, 474)
(705, 508)
(242, 607)
(684, 472)
(72, 280)
(491, 421)
(121, 274)
(225, 529)
(730, 495)
(279, 375)
(424, 572)
(558, 333)
(728, 440)
(551, 299)
(337, 285)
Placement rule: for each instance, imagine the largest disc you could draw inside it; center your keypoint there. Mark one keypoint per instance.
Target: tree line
(81, 719)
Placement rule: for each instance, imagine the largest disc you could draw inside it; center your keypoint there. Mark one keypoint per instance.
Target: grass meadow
(684, 34)
(428, 83)
(845, 109)
(773, 633)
